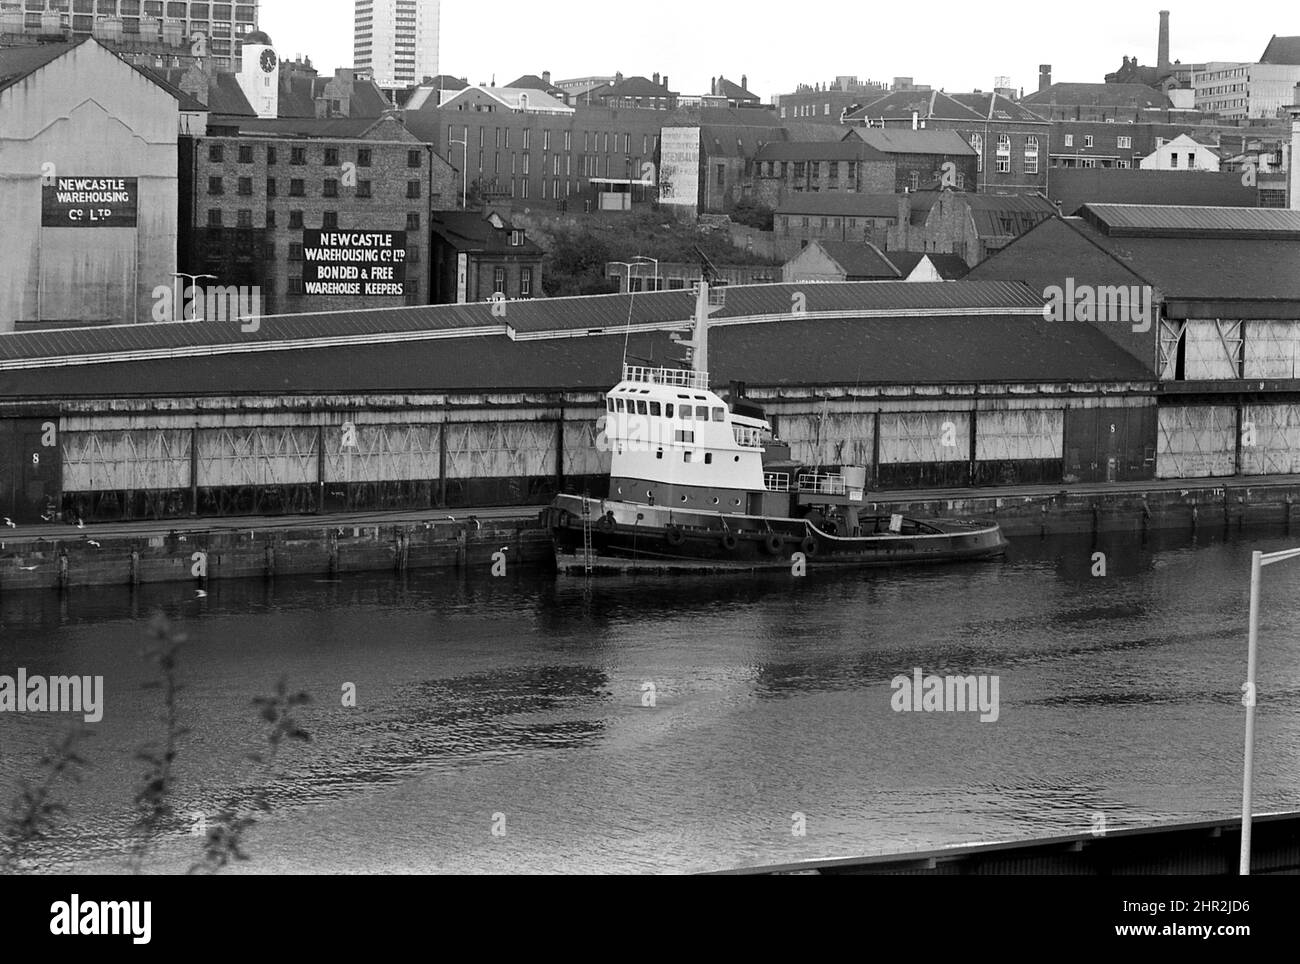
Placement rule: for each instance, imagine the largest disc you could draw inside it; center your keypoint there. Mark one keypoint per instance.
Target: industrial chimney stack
(1044, 76)
(1162, 55)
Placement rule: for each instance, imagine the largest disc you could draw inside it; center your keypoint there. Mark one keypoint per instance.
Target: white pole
(1247, 784)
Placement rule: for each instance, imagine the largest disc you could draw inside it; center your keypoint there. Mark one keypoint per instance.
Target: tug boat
(702, 483)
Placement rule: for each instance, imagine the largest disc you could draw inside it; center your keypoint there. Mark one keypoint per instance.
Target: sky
(948, 45)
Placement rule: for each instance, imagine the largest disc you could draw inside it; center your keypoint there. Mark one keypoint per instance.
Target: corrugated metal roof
(1156, 220)
(533, 318)
(970, 349)
(1214, 268)
(1182, 268)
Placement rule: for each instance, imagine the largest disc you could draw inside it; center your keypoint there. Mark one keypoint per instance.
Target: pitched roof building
(1010, 142)
(479, 257)
(89, 181)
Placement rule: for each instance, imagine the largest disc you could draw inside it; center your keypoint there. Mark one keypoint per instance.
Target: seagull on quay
(92, 542)
(200, 594)
(29, 568)
(10, 523)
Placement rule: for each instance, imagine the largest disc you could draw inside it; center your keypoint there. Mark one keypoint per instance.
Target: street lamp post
(644, 259)
(194, 283)
(464, 171)
(637, 262)
(1258, 561)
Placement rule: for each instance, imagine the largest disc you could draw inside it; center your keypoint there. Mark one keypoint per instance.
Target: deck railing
(822, 484)
(776, 481)
(675, 377)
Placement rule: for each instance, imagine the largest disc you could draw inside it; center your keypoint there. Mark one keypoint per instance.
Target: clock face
(269, 61)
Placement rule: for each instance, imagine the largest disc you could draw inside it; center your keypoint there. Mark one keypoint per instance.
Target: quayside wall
(62, 557)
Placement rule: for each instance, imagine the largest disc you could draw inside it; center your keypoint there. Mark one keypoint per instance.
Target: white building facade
(1246, 90)
(1182, 154)
(397, 41)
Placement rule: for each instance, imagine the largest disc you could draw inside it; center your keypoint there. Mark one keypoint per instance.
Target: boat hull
(629, 537)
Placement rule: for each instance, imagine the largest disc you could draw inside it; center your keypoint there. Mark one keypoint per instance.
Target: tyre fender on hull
(729, 541)
(674, 536)
(809, 546)
(606, 523)
(774, 543)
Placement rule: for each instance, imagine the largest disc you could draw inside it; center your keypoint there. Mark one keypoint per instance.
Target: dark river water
(515, 705)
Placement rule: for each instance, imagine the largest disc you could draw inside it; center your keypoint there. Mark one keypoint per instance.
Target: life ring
(809, 546)
(674, 536)
(606, 523)
(774, 543)
(729, 541)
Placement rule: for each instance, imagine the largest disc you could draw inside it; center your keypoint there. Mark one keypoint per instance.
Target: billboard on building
(679, 167)
(90, 202)
(354, 263)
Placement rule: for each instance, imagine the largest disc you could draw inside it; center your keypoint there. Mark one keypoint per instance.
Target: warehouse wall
(1197, 441)
(162, 459)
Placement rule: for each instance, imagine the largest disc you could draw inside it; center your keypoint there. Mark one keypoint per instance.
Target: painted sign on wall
(679, 166)
(354, 263)
(90, 202)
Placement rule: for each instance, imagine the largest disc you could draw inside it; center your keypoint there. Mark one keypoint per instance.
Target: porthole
(715, 501)
(686, 498)
(735, 502)
(737, 458)
(648, 494)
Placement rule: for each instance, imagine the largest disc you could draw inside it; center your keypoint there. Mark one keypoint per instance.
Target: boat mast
(699, 343)
(700, 335)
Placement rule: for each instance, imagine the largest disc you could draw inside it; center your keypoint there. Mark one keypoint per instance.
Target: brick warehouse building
(478, 256)
(250, 188)
(531, 154)
(1011, 143)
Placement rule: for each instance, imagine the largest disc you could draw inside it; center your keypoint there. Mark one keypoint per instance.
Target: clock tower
(259, 74)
